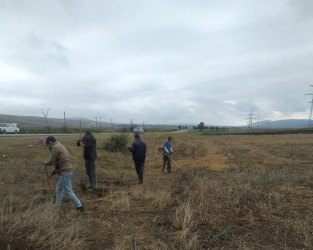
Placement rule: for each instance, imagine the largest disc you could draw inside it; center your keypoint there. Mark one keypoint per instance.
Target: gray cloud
(159, 62)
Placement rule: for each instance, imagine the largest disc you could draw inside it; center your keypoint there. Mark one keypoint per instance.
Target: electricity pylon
(250, 119)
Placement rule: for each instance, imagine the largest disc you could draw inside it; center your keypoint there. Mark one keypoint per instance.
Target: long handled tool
(174, 161)
(48, 181)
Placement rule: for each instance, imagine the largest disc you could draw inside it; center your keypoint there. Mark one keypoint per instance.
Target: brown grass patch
(260, 197)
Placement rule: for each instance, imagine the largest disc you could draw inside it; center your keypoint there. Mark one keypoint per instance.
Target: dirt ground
(122, 214)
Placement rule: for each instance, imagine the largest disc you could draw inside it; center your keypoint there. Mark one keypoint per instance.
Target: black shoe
(81, 209)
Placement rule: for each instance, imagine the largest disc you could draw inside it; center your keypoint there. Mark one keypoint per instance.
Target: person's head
(50, 141)
(169, 138)
(137, 136)
(87, 134)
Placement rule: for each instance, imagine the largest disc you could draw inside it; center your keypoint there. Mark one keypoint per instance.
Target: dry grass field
(233, 192)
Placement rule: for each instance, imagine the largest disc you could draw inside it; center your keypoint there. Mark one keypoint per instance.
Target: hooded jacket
(90, 148)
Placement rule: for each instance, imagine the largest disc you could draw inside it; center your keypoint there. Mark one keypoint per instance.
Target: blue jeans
(90, 166)
(65, 185)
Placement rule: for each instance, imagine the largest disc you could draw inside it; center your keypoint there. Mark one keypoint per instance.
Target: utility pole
(131, 124)
(100, 121)
(64, 120)
(96, 121)
(311, 109)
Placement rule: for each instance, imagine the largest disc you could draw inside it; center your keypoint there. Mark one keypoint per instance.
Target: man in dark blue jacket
(90, 155)
(138, 150)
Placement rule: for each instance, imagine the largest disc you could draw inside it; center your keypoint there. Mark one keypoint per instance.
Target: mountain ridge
(36, 121)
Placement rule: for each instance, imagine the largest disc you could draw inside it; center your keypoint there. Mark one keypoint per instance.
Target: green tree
(201, 126)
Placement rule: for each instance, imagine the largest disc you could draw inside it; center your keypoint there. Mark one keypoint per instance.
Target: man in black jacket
(90, 155)
(138, 150)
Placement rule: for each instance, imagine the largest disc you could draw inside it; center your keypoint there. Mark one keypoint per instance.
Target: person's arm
(132, 148)
(54, 171)
(83, 142)
(165, 146)
(52, 159)
(90, 144)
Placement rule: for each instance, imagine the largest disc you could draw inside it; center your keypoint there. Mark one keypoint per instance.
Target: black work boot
(81, 208)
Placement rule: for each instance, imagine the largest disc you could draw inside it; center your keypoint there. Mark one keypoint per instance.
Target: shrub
(124, 130)
(116, 143)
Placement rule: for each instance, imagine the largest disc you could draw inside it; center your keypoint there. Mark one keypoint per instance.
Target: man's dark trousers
(90, 166)
(166, 159)
(139, 163)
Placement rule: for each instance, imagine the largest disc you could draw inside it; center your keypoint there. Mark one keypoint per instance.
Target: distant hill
(290, 123)
(35, 121)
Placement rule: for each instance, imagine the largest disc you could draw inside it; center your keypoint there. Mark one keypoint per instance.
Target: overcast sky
(165, 61)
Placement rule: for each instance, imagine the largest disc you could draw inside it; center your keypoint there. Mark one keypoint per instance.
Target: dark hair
(87, 132)
(137, 136)
(50, 138)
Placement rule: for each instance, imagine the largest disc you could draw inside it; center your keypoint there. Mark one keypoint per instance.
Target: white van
(138, 130)
(6, 128)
